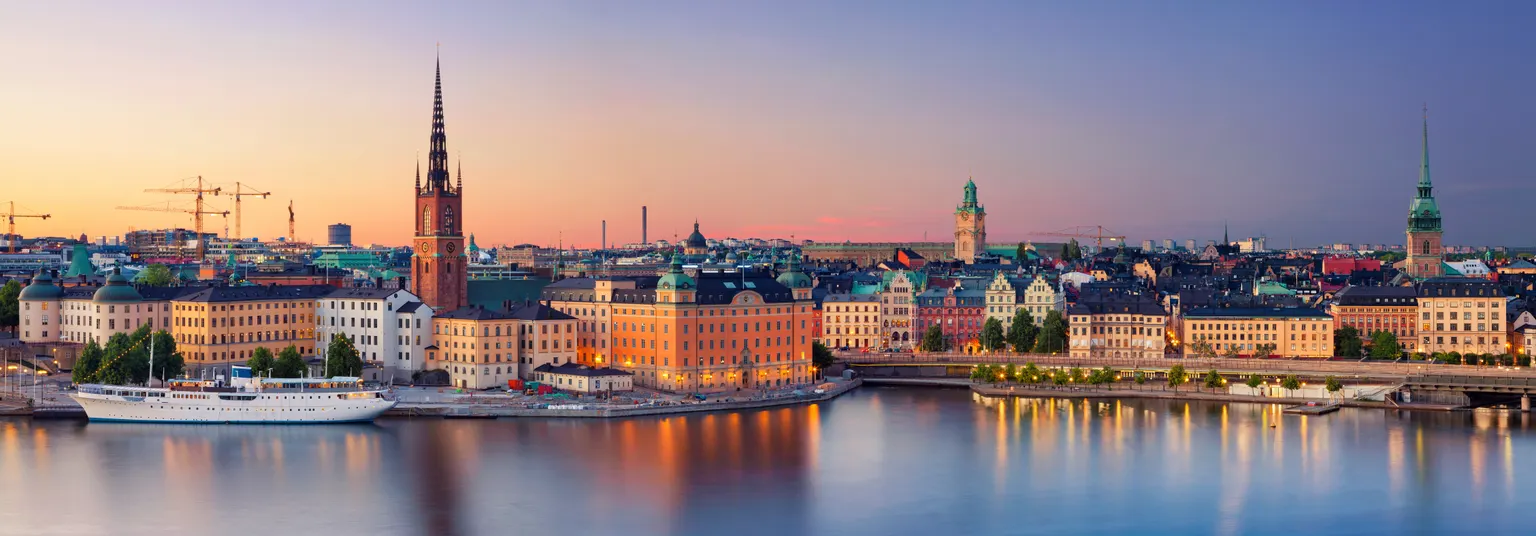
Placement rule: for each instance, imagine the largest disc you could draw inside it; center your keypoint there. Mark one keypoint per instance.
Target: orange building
(716, 332)
(223, 325)
(1372, 309)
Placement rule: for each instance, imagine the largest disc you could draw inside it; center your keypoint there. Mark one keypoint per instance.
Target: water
(878, 461)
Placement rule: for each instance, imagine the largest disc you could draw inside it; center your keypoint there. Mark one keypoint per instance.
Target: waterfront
(880, 460)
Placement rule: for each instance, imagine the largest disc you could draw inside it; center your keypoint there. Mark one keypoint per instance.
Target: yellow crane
(240, 191)
(290, 221)
(195, 185)
(10, 219)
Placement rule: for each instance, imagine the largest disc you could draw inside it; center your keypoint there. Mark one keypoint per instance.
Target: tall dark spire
(460, 185)
(418, 173)
(437, 158)
(1424, 213)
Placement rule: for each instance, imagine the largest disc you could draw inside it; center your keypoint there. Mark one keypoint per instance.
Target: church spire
(437, 158)
(458, 188)
(1424, 184)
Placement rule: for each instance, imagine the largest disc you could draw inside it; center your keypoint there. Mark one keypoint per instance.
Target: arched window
(1424, 249)
(448, 220)
(426, 220)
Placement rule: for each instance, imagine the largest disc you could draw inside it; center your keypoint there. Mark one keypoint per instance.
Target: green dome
(117, 289)
(793, 277)
(41, 288)
(675, 278)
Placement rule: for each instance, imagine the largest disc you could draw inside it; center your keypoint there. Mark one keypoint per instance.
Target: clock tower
(1425, 256)
(970, 226)
(439, 270)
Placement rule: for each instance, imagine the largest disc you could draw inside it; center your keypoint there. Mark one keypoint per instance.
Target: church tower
(970, 226)
(438, 267)
(1424, 254)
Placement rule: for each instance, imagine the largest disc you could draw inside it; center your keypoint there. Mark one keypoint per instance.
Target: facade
(584, 379)
(1295, 331)
(1424, 230)
(957, 311)
(1117, 324)
(1463, 315)
(439, 268)
(970, 226)
(224, 325)
(851, 321)
(338, 234)
(482, 348)
(53, 314)
(1040, 298)
(898, 310)
(1371, 309)
(870, 253)
(1002, 300)
(717, 332)
(389, 327)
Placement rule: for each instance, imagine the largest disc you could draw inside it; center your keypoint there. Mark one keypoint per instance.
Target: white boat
(244, 400)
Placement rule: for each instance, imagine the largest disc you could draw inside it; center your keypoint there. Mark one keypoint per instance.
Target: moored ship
(243, 400)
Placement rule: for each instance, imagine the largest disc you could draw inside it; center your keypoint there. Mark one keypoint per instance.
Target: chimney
(642, 225)
(604, 243)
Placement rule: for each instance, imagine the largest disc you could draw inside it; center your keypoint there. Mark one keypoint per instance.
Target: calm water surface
(877, 461)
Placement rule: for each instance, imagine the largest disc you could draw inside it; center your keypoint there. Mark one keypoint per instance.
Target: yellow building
(851, 321)
(223, 325)
(482, 348)
(1116, 325)
(1461, 314)
(722, 331)
(1293, 331)
(584, 379)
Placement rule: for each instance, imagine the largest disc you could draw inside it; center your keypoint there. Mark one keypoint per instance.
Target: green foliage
(1254, 381)
(1346, 342)
(87, 363)
(1021, 253)
(821, 356)
(10, 306)
(1213, 379)
(1053, 334)
(1030, 374)
(1388, 257)
(1384, 346)
(289, 364)
(1022, 333)
(126, 358)
(1231, 352)
(168, 363)
(1290, 383)
(1010, 372)
(933, 340)
(1177, 376)
(1264, 350)
(1523, 361)
(1141, 378)
(261, 362)
(156, 275)
(1071, 251)
(341, 358)
(1060, 377)
(992, 335)
(1455, 357)
(1076, 375)
(1332, 384)
(1203, 349)
(1103, 376)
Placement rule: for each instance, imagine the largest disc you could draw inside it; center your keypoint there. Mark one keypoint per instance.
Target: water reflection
(878, 461)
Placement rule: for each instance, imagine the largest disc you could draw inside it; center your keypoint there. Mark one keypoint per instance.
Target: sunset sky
(823, 120)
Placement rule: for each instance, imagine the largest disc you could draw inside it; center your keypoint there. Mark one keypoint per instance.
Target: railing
(1193, 364)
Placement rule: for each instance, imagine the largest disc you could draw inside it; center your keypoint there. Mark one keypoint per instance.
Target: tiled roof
(1256, 312)
(574, 369)
(258, 292)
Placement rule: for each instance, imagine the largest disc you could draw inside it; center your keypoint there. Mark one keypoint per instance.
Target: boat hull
(318, 410)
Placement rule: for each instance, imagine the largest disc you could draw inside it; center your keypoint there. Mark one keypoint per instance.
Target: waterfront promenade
(1311, 368)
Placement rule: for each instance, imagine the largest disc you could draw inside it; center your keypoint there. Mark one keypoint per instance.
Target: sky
(831, 121)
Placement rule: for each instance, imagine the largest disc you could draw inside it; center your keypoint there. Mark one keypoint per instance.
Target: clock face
(965, 215)
(422, 247)
(451, 247)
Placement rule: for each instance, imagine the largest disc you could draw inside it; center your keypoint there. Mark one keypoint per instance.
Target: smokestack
(604, 244)
(642, 225)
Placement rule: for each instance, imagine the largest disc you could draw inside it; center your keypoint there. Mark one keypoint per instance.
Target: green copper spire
(1424, 213)
(79, 262)
(970, 192)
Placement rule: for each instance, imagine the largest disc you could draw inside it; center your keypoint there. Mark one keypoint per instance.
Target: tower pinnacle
(437, 157)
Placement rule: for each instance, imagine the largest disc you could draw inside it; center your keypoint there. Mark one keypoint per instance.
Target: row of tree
(1177, 377)
(1023, 336)
(342, 359)
(125, 359)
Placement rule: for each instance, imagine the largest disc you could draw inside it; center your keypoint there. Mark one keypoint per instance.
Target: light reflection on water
(877, 461)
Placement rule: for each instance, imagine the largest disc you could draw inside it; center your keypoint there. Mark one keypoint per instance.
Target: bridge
(1472, 390)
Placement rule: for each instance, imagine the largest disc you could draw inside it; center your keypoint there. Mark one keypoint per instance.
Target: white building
(1002, 300)
(389, 327)
(1041, 298)
(54, 314)
(898, 311)
(850, 320)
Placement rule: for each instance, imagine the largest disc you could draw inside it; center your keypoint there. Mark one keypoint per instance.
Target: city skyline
(866, 124)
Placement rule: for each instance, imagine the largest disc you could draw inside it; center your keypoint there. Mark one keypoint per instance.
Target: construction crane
(194, 185)
(290, 221)
(1096, 232)
(240, 191)
(10, 218)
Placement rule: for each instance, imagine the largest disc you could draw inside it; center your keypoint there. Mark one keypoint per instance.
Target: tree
(1346, 342)
(1384, 346)
(1030, 373)
(1177, 376)
(10, 305)
(1454, 357)
(156, 275)
(1010, 372)
(87, 364)
(261, 362)
(821, 356)
(1232, 352)
(1104, 376)
(1076, 375)
(1021, 253)
(1071, 251)
(1332, 384)
(167, 362)
(1254, 381)
(933, 340)
(1203, 350)
(979, 373)
(341, 358)
(1290, 383)
(1141, 378)
(1213, 380)
(289, 364)
(1053, 334)
(1264, 350)
(1060, 377)
(1022, 333)
(992, 338)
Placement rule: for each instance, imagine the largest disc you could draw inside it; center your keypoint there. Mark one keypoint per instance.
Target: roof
(41, 288)
(363, 293)
(1116, 302)
(258, 292)
(117, 289)
(1256, 312)
(1459, 286)
(409, 307)
(573, 369)
(849, 298)
(533, 312)
(1377, 296)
